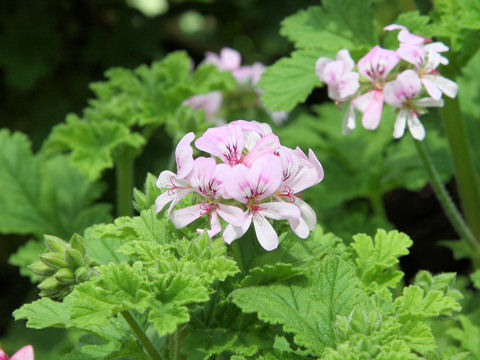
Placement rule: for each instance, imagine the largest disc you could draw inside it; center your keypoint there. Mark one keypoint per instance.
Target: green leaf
(290, 80)
(338, 24)
(146, 199)
(93, 144)
(44, 313)
(43, 195)
(205, 343)
(416, 303)
(269, 274)
(180, 289)
(309, 313)
(119, 288)
(166, 317)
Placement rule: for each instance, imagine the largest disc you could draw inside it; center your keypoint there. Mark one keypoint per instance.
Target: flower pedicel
(248, 178)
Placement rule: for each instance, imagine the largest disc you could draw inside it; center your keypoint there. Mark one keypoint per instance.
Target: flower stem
(448, 205)
(140, 334)
(467, 181)
(124, 172)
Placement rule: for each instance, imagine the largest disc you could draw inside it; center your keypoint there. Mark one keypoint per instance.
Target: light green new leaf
(180, 289)
(166, 317)
(416, 303)
(44, 313)
(309, 313)
(119, 288)
(43, 195)
(92, 143)
(290, 80)
(383, 251)
(337, 24)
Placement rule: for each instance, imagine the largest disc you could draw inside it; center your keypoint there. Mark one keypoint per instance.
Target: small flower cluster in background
(414, 86)
(249, 177)
(25, 353)
(249, 75)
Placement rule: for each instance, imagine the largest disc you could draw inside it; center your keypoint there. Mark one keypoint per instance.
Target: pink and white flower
(250, 186)
(228, 60)
(401, 93)
(209, 102)
(255, 179)
(375, 66)
(426, 58)
(338, 75)
(207, 180)
(177, 185)
(25, 353)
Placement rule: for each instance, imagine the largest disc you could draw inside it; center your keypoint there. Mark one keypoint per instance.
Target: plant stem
(378, 206)
(448, 205)
(140, 334)
(465, 174)
(124, 171)
(174, 343)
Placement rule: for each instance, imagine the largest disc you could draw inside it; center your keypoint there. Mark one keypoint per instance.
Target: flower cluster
(230, 60)
(249, 177)
(25, 353)
(416, 87)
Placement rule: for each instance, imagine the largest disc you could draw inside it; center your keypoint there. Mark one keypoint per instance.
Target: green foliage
(41, 195)
(315, 32)
(147, 97)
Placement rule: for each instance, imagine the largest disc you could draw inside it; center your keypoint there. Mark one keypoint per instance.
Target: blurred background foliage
(50, 51)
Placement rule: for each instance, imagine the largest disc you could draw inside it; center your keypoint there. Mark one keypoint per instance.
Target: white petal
(415, 126)
(165, 178)
(300, 228)
(431, 88)
(162, 200)
(428, 102)
(280, 210)
(179, 195)
(185, 216)
(232, 233)
(447, 86)
(266, 235)
(232, 214)
(349, 122)
(215, 226)
(308, 214)
(400, 123)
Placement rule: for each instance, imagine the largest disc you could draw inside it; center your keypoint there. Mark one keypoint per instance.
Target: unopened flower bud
(78, 243)
(74, 258)
(54, 260)
(82, 274)
(55, 244)
(41, 269)
(65, 276)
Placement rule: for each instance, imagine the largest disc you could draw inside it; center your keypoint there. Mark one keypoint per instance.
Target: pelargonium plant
(187, 277)
(248, 177)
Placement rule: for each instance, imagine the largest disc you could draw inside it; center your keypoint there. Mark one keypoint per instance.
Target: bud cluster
(62, 266)
(406, 79)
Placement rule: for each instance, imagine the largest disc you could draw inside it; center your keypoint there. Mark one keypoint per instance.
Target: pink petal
(226, 142)
(25, 353)
(185, 216)
(266, 235)
(280, 210)
(377, 64)
(320, 67)
(371, 105)
(265, 146)
(184, 155)
(412, 54)
(265, 176)
(202, 177)
(230, 59)
(210, 103)
(237, 185)
(348, 85)
(3, 356)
